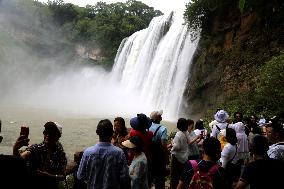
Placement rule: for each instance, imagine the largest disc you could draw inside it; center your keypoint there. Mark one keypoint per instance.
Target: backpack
(201, 179)
(156, 147)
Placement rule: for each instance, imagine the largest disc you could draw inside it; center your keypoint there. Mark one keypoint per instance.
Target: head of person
(221, 116)
(259, 145)
(190, 124)
(253, 119)
(119, 126)
(105, 130)
(212, 148)
(182, 124)
(277, 119)
(156, 116)
(238, 116)
(231, 136)
(199, 124)
(274, 132)
(140, 123)
(134, 143)
(52, 132)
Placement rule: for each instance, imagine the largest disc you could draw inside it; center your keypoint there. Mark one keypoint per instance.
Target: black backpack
(156, 147)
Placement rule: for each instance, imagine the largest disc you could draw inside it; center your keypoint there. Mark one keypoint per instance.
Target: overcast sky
(162, 5)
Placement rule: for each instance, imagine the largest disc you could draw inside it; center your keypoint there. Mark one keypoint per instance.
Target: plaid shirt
(103, 166)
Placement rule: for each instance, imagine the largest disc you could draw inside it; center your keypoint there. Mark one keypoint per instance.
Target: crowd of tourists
(224, 154)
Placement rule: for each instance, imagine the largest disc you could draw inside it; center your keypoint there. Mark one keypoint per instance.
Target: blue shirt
(103, 166)
(138, 172)
(161, 133)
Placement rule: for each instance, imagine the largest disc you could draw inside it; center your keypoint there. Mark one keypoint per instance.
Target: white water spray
(150, 73)
(155, 64)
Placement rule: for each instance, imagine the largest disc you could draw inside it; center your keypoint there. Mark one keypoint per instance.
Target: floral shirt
(138, 172)
(40, 159)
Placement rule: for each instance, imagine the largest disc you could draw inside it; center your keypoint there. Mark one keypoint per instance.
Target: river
(78, 131)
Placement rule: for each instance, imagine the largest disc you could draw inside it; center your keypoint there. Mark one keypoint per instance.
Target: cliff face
(225, 66)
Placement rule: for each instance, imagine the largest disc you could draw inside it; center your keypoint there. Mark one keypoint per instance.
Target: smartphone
(25, 131)
(202, 134)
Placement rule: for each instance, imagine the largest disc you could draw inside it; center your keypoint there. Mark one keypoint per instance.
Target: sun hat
(141, 122)
(128, 144)
(134, 142)
(221, 116)
(155, 115)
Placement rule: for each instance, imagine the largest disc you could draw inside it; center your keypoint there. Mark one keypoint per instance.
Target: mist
(44, 75)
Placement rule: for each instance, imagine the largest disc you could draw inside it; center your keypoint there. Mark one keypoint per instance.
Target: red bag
(201, 179)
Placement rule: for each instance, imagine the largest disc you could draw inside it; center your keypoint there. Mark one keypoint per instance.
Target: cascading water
(155, 64)
(150, 73)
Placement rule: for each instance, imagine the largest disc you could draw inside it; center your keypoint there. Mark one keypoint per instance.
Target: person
(104, 165)
(255, 129)
(159, 157)
(263, 172)
(238, 117)
(140, 127)
(243, 143)
(200, 129)
(120, 134)
(211, 154)
(179, 151)
(228, 157)
(230, 149)
(47, 160)
(221, 117)
(138, 168)
(13, 170)
(193, 140)
(275, 136)
(213, 122)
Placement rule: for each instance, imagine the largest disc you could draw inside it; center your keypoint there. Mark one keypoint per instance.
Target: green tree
(270, 88)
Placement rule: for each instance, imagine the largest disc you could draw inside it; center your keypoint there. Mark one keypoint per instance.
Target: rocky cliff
(233, 47)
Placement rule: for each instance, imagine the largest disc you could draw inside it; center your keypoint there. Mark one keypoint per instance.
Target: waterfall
(154, 63)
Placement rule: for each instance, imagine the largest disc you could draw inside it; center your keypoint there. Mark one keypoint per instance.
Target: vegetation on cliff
(102, 26)
(239, 63)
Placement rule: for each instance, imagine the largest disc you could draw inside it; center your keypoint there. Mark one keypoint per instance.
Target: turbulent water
(155, 62)
(150, 73)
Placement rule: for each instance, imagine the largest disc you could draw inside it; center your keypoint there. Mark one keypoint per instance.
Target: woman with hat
(138, 169)
(47, 160)
(221, 117)
(140, 126)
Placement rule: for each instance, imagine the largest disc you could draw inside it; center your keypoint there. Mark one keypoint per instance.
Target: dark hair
(255, 117)
(212, 147)
(190, 121)
(51, 128)
(121, 121)
(199, 125)
(277, 129)
(241, 115)
(259, 145)
(182, 124)
(138, 142)
(231, 136)
(105, 129)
